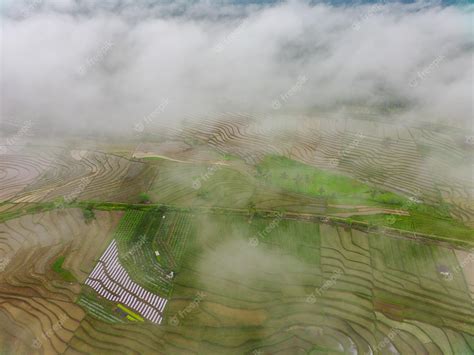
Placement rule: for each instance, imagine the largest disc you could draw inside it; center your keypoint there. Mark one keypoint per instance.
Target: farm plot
(177, 150)
(348, 197)
(86, 175)
(139, 237)
(204, 185)
(398, 159)
(316, 290)
(339, 189)
(34, 299)
(302, 285)
(111, 281)
(95, 306)
(421, 280)
(137, 254)
(172, 238)
(33, 243)
(18, 170)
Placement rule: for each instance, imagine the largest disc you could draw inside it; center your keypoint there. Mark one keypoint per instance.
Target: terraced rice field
(134, 270)
(172, 237)
(35, 300)
(235, 282)
(17, 171)
(47, 174)
(301, 286)
(329, 289)
(347, 197)
(406, 160)
(242, 285)
(200, 185)
(135, 237)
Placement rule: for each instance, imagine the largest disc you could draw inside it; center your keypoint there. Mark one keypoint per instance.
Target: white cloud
(168, 51)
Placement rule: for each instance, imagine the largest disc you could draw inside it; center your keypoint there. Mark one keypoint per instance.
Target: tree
(88, 214)
(144, 198)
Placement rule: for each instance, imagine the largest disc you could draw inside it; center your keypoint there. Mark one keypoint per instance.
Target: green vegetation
(301, 178)
(58, 268)
(422, 222)
(135, 235)
(273, 256)
(98, 307)
(217, 186)
(140, 234)
(171, 239)
(88, 214)
(354, 278)
(277, 184)
(230, 157)
(340, 189)
(131, 313)
(144, 198)
(18, 210)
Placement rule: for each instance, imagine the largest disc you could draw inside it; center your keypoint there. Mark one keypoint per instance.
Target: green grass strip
(65, 274)
(131, 313)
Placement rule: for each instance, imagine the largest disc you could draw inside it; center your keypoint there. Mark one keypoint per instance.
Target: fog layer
(77, 65)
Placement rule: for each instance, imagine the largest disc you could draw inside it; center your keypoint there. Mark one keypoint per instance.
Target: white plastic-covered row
(112, 281)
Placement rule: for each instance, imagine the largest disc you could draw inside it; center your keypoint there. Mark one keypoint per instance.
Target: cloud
(78, 65)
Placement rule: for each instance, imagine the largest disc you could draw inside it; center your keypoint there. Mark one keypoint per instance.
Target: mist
(77, 66)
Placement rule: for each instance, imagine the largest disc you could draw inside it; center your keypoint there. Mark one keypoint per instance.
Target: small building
(444, 271)
(170, 275)
(157, 253)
